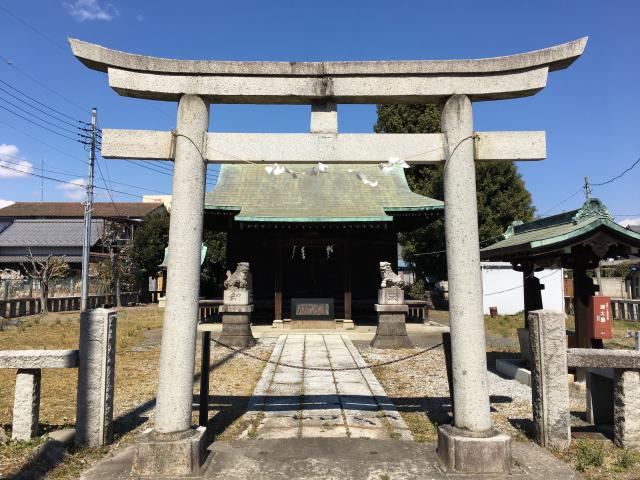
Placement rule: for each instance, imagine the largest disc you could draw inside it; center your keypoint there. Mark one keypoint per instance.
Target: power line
(41, 103)
(38, 125)
(64, 181)
(34, 29)
(521, 286)
(108, 189)
(147, 167)
(37, 82)
(627, 170)
(48, 122)
(40, 110)
(563, 201)
(73, 174)
(41, 141)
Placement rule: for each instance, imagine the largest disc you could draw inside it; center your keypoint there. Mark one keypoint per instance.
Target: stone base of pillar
(236, 326)
(277, 324)
(464, 451)
(347, 324)
(176, 454)
(392, 327)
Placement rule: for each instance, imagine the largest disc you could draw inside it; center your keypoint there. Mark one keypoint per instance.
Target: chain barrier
(326, 369)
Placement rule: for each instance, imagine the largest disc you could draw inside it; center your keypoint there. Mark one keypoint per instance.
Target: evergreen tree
(147, 252)
(502, 195)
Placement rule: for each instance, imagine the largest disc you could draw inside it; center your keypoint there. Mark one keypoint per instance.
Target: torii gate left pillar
(471, 444)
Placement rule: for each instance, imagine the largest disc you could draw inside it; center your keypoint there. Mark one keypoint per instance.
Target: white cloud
(629, 221)
(9, 158)
(5, 203)
(74, 190)
(83, 10)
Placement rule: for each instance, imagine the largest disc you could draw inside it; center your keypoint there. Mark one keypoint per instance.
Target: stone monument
(237, 308)
(392, 311)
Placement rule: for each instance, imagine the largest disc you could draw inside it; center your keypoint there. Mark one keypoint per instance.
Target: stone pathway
(292, 403)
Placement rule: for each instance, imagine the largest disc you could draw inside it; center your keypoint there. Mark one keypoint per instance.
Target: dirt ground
(418, 387)
(232, 381)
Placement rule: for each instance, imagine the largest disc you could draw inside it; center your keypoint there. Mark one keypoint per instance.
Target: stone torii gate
(470, 444)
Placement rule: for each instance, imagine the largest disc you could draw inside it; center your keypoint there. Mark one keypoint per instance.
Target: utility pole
(587, 188)
(88, 207)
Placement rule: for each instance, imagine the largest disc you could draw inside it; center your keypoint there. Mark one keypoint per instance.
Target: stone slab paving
(339, 459)
(302, 403)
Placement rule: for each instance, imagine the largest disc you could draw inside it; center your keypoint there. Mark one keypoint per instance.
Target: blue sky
(589, 111)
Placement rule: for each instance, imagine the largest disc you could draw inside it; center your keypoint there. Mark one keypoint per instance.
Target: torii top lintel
(417, 81)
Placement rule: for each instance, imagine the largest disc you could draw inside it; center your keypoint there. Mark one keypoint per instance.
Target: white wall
(614, 287)
(502, 288)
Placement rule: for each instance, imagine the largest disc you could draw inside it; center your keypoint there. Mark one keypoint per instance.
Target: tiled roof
(76, 210)
(557, 231)
(37, 258)
(334, 196)
(48, 233)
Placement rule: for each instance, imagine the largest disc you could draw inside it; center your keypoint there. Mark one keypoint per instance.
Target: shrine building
(315, 237)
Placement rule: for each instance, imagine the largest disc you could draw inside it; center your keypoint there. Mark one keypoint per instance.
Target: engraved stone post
(549, 386)
(96, 374)
(26, 404)
(237, 308)
(626, 408)
(392, 312)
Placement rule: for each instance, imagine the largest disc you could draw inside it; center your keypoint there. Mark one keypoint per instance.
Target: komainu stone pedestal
(172, 454)
(236, 326)
(469, 452)
(392, 327)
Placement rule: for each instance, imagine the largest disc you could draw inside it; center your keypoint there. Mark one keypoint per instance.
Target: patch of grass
(505, 326)
(589, 454)
(253, 431)
(626, 460)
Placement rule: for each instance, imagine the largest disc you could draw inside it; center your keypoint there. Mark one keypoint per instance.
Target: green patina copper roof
(559, 231)
(334, 196)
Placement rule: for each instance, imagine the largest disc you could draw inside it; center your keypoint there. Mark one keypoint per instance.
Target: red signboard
(600, 317)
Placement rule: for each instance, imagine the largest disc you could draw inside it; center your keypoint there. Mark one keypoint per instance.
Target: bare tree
(44, 272)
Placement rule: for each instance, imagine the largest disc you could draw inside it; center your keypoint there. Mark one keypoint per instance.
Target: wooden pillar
(346, 268)
(583, 289)
(532, 293)
(277, 314)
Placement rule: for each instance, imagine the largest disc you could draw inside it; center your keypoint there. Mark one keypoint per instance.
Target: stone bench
(622, 405)
(26, 403)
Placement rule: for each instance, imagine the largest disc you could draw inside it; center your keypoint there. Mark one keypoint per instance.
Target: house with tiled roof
(57, 228)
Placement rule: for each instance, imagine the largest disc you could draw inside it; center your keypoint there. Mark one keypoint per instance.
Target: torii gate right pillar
(470, 444)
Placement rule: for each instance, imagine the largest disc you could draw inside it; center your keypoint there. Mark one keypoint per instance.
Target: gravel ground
(420, 390)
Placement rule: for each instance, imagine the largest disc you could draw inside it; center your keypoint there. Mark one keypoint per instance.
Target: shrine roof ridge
(101, 58)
